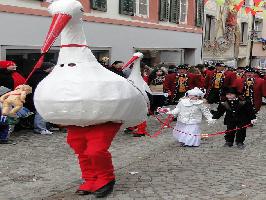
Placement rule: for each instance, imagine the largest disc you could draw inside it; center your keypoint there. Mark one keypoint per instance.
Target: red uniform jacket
(228, 81)
(259, 89)
(194, 80)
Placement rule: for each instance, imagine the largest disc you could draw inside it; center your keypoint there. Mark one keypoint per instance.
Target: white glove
(163, 110)
(211, 121)
(253, 121)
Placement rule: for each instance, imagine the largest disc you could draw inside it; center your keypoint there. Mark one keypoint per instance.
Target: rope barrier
(170, 118)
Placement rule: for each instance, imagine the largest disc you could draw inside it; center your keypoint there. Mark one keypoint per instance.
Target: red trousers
(91, 145)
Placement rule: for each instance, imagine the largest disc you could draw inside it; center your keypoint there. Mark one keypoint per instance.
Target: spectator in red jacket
(251, 87)
(9, 77)
(177, 84)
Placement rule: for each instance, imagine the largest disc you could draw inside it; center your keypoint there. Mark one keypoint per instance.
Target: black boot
(105, 190)
(228, 144)
(83, 192)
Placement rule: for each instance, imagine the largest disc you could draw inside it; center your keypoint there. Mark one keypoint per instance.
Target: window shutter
(100, 5)
(199, 13)
(175, 11)
(164, 10)
(127, 7)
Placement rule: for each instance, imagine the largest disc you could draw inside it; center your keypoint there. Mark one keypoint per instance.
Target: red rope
(167, 124)
(37, 65)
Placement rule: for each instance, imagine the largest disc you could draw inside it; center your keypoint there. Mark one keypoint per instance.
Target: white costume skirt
(189, 134)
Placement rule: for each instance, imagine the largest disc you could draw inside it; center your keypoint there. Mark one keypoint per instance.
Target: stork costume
(88, 99)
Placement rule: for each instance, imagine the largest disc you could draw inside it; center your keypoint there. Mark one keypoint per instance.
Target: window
(209, 28)
(100, 5)
(199, 13)
(173, 11)
(258, 28)
(183, 11)
(244, 33)
(127, 7)
(142, 8)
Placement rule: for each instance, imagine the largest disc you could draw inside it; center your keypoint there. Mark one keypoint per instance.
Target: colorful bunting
(220, 2)
(248, 10)
(253, 12)
(237, 7)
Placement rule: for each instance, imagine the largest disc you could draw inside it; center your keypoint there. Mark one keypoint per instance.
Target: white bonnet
(195, 92)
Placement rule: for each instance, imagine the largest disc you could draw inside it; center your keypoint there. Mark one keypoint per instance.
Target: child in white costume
(189, 112)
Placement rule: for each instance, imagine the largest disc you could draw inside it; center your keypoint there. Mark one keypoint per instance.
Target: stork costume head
(80, 91)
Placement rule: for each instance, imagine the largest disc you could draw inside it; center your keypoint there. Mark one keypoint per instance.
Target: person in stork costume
(88, 99)
(251, 87)
(177, 84)
(216, 81)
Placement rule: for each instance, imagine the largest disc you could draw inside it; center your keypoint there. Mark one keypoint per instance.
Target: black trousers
(239, 135)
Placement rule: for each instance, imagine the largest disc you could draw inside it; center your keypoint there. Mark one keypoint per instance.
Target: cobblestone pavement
(44, 167)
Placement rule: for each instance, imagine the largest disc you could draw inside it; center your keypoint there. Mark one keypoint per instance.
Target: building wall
(121, 34)
(211, 8)
(31, 30)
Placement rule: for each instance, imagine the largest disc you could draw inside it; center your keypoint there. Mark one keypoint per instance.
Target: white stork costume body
(88, 99)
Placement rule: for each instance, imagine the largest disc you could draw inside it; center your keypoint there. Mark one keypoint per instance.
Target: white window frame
(180, 12)
(137, 8)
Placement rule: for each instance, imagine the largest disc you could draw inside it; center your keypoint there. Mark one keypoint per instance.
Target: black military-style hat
(231, 90)
(249, 69)
(220, 64)
(184, 66)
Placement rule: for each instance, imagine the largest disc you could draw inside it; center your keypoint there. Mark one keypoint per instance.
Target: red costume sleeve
(169, 83)
(208, 79)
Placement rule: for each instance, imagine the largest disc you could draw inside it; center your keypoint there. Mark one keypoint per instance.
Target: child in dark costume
(238, 114)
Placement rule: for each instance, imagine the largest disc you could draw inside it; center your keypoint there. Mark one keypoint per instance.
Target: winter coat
(190, 112)
(10, 79)
(237, 113)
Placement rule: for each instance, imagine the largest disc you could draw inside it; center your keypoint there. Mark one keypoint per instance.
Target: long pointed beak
(58, 23)
(133, 59)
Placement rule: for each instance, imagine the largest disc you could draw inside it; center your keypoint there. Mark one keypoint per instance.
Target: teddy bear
(13, 101)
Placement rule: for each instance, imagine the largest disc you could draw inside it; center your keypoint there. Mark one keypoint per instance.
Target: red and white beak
(58, 24)
(136, 56)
